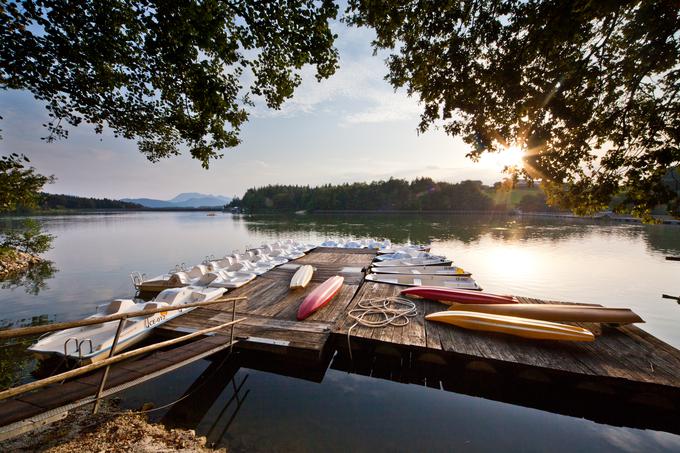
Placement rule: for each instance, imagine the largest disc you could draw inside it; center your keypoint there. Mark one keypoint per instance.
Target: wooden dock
(271, 308)
(626, 364)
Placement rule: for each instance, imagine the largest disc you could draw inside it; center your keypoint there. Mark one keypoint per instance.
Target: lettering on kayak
(155, 319)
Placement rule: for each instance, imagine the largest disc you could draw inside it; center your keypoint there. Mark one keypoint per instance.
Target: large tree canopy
(166, 73)
(590, 89)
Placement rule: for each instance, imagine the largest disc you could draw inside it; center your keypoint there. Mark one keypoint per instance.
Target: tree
(590, 90)
(29, 238)
(166, 73)
(20, 184)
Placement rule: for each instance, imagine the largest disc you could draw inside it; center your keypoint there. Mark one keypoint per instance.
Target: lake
(617, 265)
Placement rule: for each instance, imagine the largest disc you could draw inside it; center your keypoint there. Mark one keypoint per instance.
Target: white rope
(381, 312)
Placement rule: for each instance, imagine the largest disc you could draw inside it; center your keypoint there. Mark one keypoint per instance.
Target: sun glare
(509, 157)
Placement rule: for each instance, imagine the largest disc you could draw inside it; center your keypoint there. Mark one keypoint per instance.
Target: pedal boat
(89, 344)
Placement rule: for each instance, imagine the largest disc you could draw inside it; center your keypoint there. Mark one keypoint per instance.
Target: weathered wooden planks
(626, 353)
(34, 406)
(272, 306)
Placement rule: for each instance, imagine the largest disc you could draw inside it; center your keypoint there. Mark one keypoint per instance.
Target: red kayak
(461, 296)
(320, 296)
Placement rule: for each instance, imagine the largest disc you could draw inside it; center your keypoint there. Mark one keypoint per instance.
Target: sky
(352, 127)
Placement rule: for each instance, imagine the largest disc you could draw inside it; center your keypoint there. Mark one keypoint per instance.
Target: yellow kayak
(302, 277)
(521, 327)
(556, 312)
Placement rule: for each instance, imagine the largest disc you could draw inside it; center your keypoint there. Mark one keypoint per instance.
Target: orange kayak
(320, 296)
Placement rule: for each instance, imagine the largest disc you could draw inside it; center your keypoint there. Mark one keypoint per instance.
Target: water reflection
(32, 280)
(393, 403)
(466, 228)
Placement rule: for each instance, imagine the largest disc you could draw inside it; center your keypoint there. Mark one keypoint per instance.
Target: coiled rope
(381, 312)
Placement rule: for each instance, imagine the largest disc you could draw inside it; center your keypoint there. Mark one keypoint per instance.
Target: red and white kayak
(452, 295)
(320, 296)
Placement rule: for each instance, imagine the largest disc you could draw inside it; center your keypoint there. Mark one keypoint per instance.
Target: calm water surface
(617, 265)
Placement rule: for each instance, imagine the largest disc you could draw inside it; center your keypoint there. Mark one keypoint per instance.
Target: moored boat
(421, 270)
(556, 312)
(450, 295)
(320, 296)
(409, 262)
(445, 281)
(521, 327)
(93, 343)
(225, 279)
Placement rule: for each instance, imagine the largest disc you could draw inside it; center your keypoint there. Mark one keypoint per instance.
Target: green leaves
(589, 89)
(168, 74)
(20, 185)
(29, 238)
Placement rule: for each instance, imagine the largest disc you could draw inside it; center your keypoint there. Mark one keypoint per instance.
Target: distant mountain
(183, 200)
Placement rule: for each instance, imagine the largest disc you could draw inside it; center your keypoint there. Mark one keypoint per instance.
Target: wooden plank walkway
(271, 308)
(28, 411)
(618, 354)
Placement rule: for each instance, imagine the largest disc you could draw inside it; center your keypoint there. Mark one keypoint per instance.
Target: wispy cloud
(357, 93)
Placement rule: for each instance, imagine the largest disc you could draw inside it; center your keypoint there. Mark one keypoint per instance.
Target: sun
(511, 156)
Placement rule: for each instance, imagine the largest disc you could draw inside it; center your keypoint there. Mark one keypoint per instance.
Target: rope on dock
(381, 312)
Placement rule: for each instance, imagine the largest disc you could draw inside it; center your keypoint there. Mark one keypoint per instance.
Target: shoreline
(110, 430)
(14, 262)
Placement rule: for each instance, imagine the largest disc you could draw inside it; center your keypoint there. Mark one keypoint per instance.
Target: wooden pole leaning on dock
(33, 330)
(115, 359)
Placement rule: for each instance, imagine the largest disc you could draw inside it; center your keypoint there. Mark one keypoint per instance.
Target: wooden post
(233, 317)
(106, 362)
(34, 330)
(112, 351)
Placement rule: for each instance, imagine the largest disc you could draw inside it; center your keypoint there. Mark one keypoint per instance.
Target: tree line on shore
(421, 194)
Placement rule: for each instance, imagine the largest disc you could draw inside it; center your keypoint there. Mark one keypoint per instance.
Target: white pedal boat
(173, 279)
(454, 282)
(225, 279)
(92, 343)
(421, 270)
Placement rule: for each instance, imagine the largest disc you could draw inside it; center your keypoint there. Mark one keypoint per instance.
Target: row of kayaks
(435, 277)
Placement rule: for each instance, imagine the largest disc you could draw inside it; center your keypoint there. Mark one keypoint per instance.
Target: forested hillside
(394, 194)
(53, 201)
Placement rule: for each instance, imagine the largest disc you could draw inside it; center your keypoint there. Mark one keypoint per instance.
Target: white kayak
(302, 277)
(410, 262)
(421, 270)
(446, 281)
(92, 343)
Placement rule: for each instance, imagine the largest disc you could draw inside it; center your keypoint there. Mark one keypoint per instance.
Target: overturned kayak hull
(320, 297)
(556, 312)
(446, 281)
(302, 277)
(512, 325)
(450, 295)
